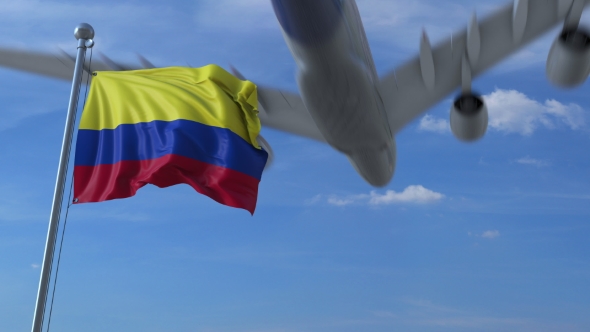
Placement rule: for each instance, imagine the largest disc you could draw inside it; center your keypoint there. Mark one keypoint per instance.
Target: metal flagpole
(84, 34)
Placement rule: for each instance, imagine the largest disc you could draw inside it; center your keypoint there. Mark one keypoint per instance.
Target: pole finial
(84, 31)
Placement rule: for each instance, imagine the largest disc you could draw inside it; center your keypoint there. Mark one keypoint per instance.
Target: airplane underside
(336, 84)
(341, 99)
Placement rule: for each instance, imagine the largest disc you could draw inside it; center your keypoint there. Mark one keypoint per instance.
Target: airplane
(343, 101)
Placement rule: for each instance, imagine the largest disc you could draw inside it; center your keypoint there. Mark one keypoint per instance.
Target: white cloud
(511, 111)
(414, 194)
(490, 234)
(531, 161)
(340, 201)
(35, 266)
(430, 123)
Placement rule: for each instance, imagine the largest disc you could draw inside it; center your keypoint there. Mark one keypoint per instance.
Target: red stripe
(123, 179)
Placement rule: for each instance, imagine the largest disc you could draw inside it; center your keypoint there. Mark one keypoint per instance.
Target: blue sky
(490, 236)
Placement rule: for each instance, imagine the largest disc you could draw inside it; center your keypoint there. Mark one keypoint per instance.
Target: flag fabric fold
(168, 126)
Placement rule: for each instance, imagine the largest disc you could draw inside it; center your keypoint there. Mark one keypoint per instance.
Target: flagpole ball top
(84, 31)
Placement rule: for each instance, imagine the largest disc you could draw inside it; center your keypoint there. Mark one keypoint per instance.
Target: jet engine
(469, 117)
(568, 63)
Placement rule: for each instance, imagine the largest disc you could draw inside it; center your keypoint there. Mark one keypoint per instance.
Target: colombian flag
(168, 126)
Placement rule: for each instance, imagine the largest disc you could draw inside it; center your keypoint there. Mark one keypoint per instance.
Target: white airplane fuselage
(338, 82)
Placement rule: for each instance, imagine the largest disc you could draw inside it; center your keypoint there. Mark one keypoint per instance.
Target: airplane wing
(407, 91)
(56, 65)
(413, 88)
(279, 109)
(285, 111)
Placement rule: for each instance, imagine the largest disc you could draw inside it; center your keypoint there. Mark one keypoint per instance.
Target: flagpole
(84, 34)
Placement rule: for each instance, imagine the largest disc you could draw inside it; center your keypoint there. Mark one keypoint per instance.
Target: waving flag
(168, 126)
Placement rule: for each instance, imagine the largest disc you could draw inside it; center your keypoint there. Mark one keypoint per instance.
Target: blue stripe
(151, 140)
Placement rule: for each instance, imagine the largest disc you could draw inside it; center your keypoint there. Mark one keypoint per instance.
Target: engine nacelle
(568, 63)
(469, 117)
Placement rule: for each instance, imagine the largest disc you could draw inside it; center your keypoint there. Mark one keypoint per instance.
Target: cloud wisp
(236, 15)
(492, 234)
(414, 194)
(533, 162)
(420, 312)
(430, 123)
(489, 234)
(511, 111)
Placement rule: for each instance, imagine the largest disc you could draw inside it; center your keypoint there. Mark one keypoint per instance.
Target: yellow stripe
(208, 95)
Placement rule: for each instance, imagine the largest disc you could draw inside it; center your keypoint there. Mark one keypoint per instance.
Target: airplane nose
(309, 22)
